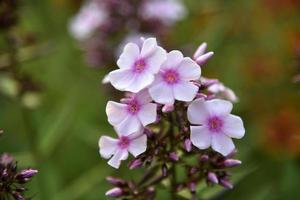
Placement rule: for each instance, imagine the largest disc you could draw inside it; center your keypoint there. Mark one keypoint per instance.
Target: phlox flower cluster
(169, 112)
(100, 23)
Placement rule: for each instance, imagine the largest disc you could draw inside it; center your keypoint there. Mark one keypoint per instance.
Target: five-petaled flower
(174, 80)
(137, 66)
(117, 149)
(132, 115)
(215, 125)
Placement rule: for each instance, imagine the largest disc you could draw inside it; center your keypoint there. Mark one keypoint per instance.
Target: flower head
(90, 17)
(216, 126)
(137, 66)
(117, 149)
(174, 79)
(135, 113)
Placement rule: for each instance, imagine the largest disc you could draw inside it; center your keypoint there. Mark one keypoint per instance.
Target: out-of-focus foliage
(255, 44)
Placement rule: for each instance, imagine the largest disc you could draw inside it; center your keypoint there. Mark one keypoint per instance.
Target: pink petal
(130, 54)
(121, 78)
(107, 146)
(149, 46)
(189, 70)
(147, 114)
(138, 145)
(155, 60)
(185, 91)
(173, 60)
(233, 127)
(162, 93)
(219, 107)
(222, 144)
(140, 82)
(129, 125)
(197, 112)
(200, 137)
(143, 97)
(115, 161)
(116, 112)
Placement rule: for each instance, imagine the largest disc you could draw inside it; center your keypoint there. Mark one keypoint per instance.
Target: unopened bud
(212, 177)
(200, 50)
(135, 164)
(204, 158)
(164, 170)
(192, 187)
(201, 60)
(173, 156)
(26, 174)
(231, 162)
(114, 181)
(187, 145)
(226, 184)
(115, 192)
(167, 108)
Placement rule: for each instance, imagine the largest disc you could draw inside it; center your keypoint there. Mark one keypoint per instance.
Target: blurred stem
(173, 177)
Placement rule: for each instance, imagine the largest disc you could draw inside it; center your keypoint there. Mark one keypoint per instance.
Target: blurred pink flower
(137, 66)
(132, 115)
(173, 80)
(117, 149)
(90, 17)
(216, 125)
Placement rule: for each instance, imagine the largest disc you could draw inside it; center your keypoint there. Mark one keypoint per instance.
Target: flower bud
(173, 156)
(18, 196)
(6, 159)
(200, 51)
(187, 145)
(115, 192)
(201, 60)
(136, 163)
(164, 170)
(226, 184)
(212, 177)
(204, 158)
(114, 180)
(231, 162)
(192, 187)
(26, 174)
(167, 108)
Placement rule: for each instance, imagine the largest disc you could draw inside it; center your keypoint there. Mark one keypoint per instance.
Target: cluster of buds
(12, 181)
(100, 23)
(169, 119)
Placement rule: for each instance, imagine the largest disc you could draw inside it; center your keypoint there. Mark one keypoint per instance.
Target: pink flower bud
(200, 51)
(114, 180)
(168, 108)
(115, 192)
(232, 162)
(192, 186)
(187, 145)
(135, 164)
(173, 156)
(204, 158)
(212, 177)
(201, 60)
(226, 184)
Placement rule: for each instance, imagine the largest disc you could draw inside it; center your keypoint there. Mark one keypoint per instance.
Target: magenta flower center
(133, 107)
(139, 66)
(171, 76)
(215, 124)
(124, 142)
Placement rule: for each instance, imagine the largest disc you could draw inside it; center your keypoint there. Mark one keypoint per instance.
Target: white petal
(121, 78)
(108, 146)
(174, 58)
(147, 114)
(149, 46)
(219, 107)
(129, 56)
(233, 127)
(129, 125)
(222, 144)
(197, 112)
(116, 112)
(143, 97)
(115, 161)
(140, 82)
(156, 59)
(185, 91)
(162, 93)
(189, 70)
(200, 137)
(138, 145)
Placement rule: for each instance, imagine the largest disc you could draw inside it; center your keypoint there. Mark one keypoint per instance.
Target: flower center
(171, 76)
(133, 107)
(139, 66)
(215, 124)
(124, 142)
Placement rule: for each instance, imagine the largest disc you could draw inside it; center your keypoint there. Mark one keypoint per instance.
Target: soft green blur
(255, 54)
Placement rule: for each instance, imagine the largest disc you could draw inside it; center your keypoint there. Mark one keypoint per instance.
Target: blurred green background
(255, 44)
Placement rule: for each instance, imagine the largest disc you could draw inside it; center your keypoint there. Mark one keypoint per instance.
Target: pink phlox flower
(137, 66)
(133, 113)
(173, 81)
(215, 126)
